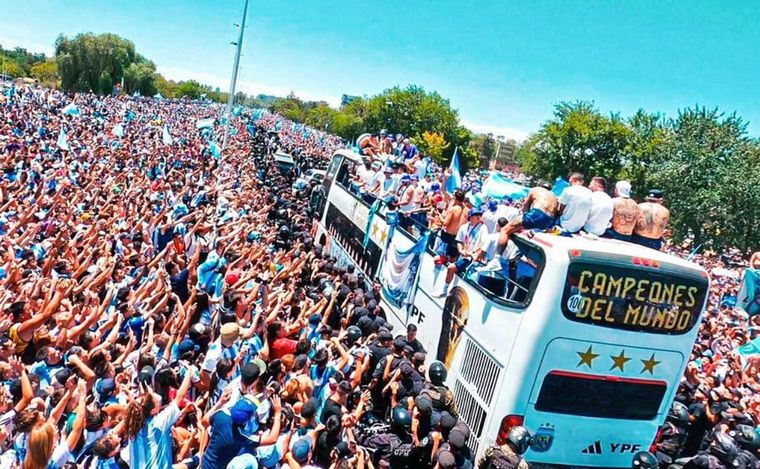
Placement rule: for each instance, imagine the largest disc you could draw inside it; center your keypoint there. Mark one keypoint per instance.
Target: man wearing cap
(411, 199)
(223, 347)
(625, 213)
(652, 222)
(470, 239)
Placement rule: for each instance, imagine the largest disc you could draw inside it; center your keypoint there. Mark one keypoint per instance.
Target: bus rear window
(597, 396)
(633, 299)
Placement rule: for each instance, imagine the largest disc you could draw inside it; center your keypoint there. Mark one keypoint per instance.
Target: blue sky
(503, 64)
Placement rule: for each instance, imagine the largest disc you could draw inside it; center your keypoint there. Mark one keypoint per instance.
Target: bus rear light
(507, 424)
(657, 439)
(646, 262)
(575, 252)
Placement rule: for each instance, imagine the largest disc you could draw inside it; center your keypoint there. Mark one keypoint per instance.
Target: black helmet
(353, 334)
(284, 230)
(724, 448)
(437, 373)
(520, 438)
(282, 214)
(746, 438)
(400, 418)
(678, 413)
(644, 460)
(370, 418)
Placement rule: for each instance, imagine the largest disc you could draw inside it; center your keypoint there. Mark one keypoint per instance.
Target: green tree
(141, 76)
(46, 72)
(189, 89)
(412, 111)
(10, 67)
(90, 62)
(706, 158)
(645, 150)
(167, 88)
(578, 138)
(484, 146)
(291, 108)
(321, 117)
(22, 61)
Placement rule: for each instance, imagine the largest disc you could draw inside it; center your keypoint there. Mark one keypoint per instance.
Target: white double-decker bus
(582, 341)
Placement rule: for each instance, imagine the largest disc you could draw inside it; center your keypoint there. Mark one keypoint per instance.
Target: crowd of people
(165, 305)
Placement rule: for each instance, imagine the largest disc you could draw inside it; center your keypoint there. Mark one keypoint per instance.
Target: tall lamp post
(233, 83)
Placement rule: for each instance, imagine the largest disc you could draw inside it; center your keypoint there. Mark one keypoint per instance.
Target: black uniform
(395, 449)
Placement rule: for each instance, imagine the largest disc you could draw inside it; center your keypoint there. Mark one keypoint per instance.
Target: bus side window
(523, 273)
(345, 173)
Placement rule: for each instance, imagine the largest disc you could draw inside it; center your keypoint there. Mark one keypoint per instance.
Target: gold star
(586, 357)
(649, 364)
(374, 229)
(619, 361)
(383, 235)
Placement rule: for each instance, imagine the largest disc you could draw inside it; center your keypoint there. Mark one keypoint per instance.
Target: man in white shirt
(574, 204)
(601, 207)
(470, 239)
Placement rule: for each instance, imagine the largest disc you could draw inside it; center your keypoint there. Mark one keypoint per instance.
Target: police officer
(440, 395)
(395, 447)
(644, 460)
(722, 453)
(674, 434)
(749, 445)
(508, 455)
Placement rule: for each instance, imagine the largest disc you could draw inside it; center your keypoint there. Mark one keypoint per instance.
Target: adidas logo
(593, 448)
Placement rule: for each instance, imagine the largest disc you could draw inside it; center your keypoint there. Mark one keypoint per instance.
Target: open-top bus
(583, 343)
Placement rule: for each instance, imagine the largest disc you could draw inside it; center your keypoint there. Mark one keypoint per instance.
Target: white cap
(623, 189)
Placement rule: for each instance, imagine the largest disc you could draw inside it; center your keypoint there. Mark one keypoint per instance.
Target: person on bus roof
(653, 221)
(470, 239)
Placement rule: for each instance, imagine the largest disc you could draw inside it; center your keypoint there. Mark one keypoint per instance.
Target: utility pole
(233, 83)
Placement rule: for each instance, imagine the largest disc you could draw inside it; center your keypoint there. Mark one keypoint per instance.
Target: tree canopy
(703, 160)
(94, 63)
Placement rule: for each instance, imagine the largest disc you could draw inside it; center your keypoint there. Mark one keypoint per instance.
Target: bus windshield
(635, 299)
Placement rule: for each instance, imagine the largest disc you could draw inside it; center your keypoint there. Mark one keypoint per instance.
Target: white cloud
(508, 132)
(248, 87)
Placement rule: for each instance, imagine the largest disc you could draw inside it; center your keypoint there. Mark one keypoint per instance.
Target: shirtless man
(652, 222)
(450, 222)
(625, 213)
(539, 212)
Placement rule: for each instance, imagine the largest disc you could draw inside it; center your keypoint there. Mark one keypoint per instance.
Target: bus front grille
(480, 370)
(474, 388)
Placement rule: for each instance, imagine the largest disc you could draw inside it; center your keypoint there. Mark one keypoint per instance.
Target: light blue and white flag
(71, 110)
(454, 181)
(399, 273)
(237, 110)
(166, 137)
(204, 123)
(63, 142)
(118, 130)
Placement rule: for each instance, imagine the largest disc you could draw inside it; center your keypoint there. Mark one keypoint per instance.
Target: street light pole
(233, 83)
